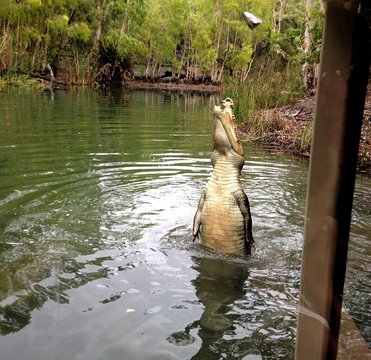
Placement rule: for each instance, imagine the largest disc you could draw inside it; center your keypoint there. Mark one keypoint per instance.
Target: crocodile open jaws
(223, 217)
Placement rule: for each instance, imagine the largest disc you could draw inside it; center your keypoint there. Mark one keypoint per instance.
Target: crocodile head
(224, 128)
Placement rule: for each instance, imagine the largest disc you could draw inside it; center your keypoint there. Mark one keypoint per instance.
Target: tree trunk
(215, 69)
(278, 14)
(306, 71)
(219, 78)
(148, 63)
(124, 25)
(125, 22)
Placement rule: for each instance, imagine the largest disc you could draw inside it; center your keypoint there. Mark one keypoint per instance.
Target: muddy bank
(289, 129)
(168, 85)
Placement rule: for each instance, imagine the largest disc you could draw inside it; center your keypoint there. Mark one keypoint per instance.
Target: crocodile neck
(226, 167)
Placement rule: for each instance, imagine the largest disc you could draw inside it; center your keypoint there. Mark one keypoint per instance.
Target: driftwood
(49, 78)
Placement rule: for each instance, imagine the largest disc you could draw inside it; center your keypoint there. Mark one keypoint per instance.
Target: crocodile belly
(223, 225)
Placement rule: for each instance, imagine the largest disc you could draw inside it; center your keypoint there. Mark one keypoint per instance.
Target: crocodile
(223, 218)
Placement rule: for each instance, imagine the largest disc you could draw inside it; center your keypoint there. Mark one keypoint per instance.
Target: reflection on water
(97, 196)
(357, 297)
(244, 312)
(218, 285)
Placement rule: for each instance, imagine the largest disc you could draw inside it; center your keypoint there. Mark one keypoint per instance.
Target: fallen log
(48, 78)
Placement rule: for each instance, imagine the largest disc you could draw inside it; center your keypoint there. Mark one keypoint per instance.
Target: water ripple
(97, 198)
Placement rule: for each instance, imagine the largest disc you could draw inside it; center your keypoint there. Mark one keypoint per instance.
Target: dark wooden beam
(344, 68)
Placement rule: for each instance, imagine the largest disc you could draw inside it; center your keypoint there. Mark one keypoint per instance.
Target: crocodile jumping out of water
(223, 216)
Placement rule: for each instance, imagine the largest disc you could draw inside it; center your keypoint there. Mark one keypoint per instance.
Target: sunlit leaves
(241, 57)
(34, 2)
(125, 45)
(32, 35)
(197, 38)
(59, 24)
(79, 32)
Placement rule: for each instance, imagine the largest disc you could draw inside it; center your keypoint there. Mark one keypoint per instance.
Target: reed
(306, 138)
(257, 103)
(270, 87)
(20, 81)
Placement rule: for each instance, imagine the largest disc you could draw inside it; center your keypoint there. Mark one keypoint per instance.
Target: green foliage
(241, 57)
(274, 42)
(21, 81)
(271, 87)
(199, 39)
(123, 46)
(306, 138)
(79, 32)
(316, 34)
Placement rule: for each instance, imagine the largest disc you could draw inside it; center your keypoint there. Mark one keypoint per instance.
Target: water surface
(97, 197)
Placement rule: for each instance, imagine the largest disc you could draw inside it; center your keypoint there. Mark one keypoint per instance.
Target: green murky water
(97, 197)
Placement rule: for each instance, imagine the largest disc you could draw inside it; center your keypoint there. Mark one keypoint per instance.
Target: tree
(312, 41)
(198, 40)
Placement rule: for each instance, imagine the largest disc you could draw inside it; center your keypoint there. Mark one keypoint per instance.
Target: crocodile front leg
(197, 217)
(243, 204)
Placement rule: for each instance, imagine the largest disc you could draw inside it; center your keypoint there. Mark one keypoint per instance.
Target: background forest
(110, 42)
(103, 41)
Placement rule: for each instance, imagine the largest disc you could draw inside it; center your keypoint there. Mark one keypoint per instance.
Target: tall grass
(20, 81)
(306, 138)
(269, 87)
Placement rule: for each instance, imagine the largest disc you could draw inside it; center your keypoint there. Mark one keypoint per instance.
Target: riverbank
(289, 129)
(286, 128)
(172, 86)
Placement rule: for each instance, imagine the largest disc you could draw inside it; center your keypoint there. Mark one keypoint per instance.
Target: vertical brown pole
(342, 86)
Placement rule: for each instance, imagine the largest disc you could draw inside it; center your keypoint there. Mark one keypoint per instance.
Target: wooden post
(343, 77)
